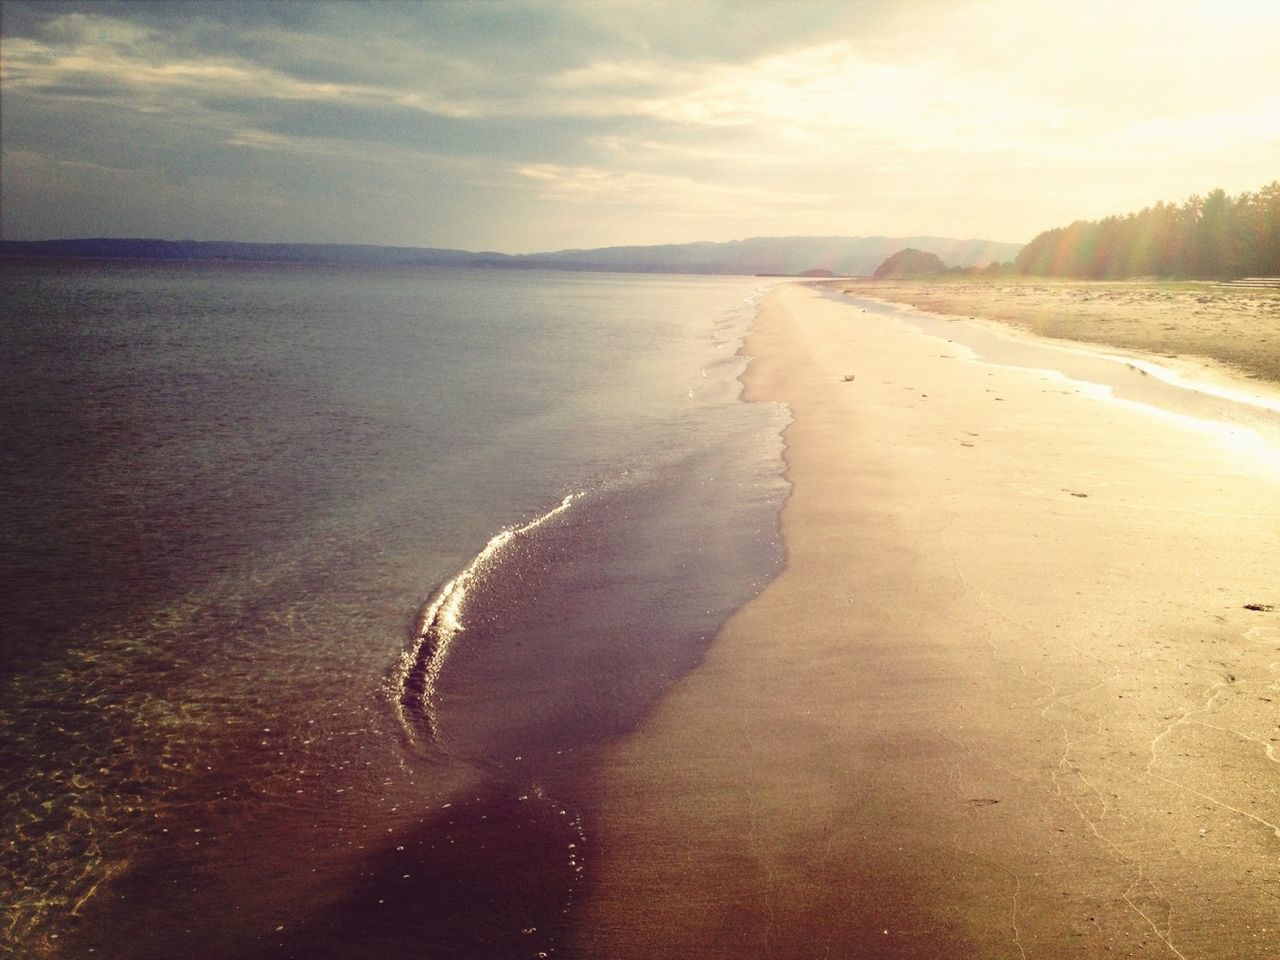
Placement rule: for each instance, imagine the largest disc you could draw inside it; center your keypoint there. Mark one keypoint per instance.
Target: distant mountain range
(786, 256)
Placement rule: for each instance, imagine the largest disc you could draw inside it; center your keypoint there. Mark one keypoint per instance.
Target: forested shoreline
(1212, 237)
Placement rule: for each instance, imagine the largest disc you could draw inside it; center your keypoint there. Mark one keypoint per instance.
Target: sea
(325, 585)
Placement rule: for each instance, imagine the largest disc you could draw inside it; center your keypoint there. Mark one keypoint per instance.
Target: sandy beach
(1016, 694)
(1210, 330)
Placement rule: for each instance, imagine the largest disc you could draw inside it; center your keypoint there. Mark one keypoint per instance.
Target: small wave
(439, 625)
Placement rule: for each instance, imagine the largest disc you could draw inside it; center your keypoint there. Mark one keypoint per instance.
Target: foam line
(439, 625)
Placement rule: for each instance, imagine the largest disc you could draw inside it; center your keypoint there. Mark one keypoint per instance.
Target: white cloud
(596, 186)
(983, 118)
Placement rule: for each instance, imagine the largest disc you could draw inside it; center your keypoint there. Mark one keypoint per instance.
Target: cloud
(978, 118)
(96, 58)
(594, 186)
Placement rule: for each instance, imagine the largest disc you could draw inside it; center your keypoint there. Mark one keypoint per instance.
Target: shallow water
(233, 496)
(1240, 418)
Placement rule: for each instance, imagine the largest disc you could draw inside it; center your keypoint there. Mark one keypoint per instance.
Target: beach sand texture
(1202, 326)
(1006, 700)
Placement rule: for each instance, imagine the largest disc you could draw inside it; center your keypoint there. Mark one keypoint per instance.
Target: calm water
(320, 584)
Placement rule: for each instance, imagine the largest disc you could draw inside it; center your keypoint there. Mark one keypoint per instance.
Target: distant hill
(133, 249)
(788, 256)
(909, 262)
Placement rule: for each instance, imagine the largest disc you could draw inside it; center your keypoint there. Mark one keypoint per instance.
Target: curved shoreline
(1241, 413)
(1008, 697)
(1211, 376)
(1204, 331)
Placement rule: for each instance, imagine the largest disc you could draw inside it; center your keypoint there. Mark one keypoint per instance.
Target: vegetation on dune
(1212, 237)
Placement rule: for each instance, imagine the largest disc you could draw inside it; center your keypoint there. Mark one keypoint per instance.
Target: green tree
(1212, 236)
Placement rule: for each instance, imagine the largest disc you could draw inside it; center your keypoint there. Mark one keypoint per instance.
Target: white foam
(441, 619)
(1172, 377)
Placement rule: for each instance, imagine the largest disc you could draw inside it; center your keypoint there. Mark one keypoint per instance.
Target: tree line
(1215, 236)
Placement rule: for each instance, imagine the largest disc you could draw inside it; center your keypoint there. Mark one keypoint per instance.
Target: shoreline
(1207, 394)
(299, 820)
(1202, 329)
(1006, 698)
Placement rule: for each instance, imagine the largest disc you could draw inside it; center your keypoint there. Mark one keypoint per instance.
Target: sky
(528, 125)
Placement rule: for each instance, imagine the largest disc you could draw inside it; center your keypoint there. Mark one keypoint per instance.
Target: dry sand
(1216, 327)
(1005, 701)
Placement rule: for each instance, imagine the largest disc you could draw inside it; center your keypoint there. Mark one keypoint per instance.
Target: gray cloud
(529, 125)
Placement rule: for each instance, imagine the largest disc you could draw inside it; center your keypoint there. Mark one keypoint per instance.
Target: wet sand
(1007, 699)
